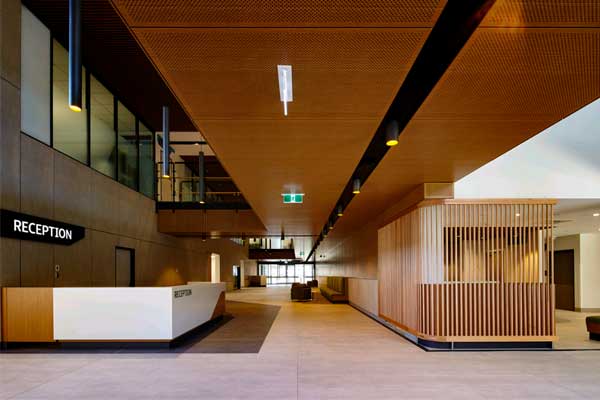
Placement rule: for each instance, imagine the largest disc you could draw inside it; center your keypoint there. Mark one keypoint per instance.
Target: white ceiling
(574, 216)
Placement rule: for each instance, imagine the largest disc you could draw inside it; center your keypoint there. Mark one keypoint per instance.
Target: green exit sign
(293, 198)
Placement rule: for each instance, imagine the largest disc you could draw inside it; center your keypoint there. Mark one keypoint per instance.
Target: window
(35, 77)
(69, 128)
(105, 135)
(102, 129)
(127, 145)
(147, 172)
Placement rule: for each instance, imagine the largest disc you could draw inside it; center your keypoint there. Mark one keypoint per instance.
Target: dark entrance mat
(242, 329)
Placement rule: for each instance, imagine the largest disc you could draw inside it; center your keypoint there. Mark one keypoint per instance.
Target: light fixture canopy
(340, 210)
(356, 186)
(392, 131)
(165, 142)
(286, 94)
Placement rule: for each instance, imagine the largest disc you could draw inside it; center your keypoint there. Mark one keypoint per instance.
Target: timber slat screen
(455, 270)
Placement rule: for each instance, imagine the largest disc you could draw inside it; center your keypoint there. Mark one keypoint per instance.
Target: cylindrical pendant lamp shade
(201, 183)
(165, 143)
(75, 95)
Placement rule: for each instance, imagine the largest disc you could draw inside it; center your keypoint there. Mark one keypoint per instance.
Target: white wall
(560, 162)
(590, 271)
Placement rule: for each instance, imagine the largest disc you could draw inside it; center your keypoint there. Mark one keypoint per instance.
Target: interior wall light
(356, 186)
(392, 131)
(201, 183)
(165, 142)
(340, 210)
(75, 103)
(286, 95)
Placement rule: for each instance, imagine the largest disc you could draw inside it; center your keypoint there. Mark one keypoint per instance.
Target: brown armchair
(301, 292)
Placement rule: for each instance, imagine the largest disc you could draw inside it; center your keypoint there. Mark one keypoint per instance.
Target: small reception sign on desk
(137, 314)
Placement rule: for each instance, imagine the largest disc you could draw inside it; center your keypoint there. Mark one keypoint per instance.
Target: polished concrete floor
(313, 351)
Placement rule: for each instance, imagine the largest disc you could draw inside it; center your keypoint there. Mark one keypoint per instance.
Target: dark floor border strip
(432, 346)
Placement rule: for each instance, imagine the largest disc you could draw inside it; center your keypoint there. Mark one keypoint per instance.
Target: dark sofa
(593, 326)
(301, 292)
(336, 290)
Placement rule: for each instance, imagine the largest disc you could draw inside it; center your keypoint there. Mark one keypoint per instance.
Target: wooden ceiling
(528, 65)
(348, 63)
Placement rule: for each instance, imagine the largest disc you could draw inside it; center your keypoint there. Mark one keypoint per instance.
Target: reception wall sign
(28, 227)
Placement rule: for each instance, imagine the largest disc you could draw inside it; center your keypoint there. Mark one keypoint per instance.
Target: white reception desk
(134, 314)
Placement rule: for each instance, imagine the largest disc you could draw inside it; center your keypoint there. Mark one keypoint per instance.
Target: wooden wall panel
(36, 264)
(37, 178)
(458, 270)
(27, 315)
(60, 188)
(363, 293)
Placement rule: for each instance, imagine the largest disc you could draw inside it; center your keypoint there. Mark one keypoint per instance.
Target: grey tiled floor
(313, 351)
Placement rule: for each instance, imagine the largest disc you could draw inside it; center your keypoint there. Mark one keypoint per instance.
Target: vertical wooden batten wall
(470, 271)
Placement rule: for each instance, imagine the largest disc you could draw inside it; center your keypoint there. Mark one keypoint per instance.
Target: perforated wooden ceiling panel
(232, 73)
(506, 85)
(515, 74)
(544, 13)
(267, 159)
(290, 13)
(348, 58)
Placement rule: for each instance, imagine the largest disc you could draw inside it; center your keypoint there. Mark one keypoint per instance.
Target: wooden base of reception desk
(27, 315)
(108, 315)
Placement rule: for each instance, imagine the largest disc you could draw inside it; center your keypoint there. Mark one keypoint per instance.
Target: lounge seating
(257, 281)
(301, 292)
(313, 283)
(593, 326)
(336, 290)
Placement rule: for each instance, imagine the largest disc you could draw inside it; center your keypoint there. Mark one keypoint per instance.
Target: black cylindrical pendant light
(340, 210)
(75, 96)
(392, 131)
(201, 185)
(356, 186)
(165, 143)
(330, 225)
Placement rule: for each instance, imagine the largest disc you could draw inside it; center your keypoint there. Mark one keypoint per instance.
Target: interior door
(564, 279)
(124, 267)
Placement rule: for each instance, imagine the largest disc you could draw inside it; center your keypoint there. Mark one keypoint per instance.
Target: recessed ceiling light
(596, 214)
(517, 215)
(286, 95)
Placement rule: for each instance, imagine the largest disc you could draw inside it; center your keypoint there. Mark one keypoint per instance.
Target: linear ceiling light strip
(454, 27)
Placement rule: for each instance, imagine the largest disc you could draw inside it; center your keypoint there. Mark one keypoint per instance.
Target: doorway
(237, 277)
(564, 279)
(124, 267)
